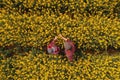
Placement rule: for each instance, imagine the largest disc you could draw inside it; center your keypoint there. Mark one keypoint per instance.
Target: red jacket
(52, 48)
(69, 49)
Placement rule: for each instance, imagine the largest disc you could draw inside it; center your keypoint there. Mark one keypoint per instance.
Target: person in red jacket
(52, 48)
(69, 48)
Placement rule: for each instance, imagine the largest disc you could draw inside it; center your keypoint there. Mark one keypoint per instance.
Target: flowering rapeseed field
(27, 27)
(49, 67)
(90, 24)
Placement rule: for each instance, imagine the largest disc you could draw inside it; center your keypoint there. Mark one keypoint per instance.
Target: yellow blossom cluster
(90, 24)
(49, 67)
(34, 23)
(93, 32)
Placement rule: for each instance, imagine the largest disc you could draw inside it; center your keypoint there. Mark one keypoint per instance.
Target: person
(52, 48)
(69, 48)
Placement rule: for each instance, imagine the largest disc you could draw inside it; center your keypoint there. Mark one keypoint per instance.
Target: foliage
(44, 66)
(40, 7)
(93, 32)
(91, 24)
(27, 26)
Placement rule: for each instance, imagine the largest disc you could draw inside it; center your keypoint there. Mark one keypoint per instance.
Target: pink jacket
(52, 48)
(69, 49)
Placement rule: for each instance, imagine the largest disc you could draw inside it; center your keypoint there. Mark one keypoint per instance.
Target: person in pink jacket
(69, 48)
(52, 48)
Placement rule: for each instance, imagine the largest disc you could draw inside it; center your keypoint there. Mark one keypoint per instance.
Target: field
(28, 26)
(44, 67)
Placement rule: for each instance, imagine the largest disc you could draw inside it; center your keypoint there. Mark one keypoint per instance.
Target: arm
(63, 37)
(69, 43)
(54, 39)
(52, 43)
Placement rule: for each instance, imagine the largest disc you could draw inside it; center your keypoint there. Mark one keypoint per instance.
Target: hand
(60, 35)
(55, 38)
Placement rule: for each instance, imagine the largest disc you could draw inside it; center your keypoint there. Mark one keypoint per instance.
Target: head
(67, 46)
(53, 49)
(49, 49)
